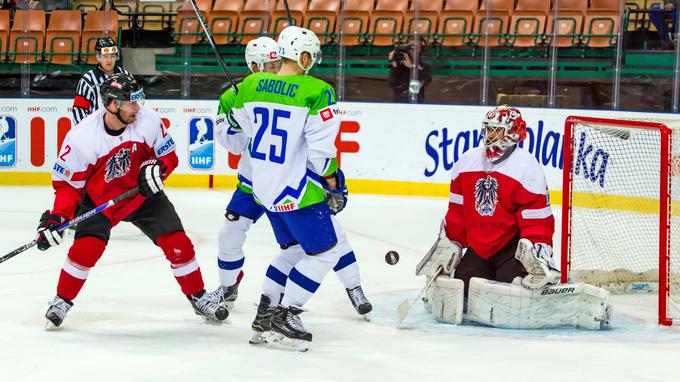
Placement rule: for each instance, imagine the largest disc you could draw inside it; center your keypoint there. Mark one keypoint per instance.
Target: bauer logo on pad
(326, 114)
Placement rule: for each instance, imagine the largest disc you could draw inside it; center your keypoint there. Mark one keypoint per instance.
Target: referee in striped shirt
(87, 95)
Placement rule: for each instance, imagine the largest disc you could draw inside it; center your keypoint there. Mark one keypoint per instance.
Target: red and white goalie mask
(502, 128)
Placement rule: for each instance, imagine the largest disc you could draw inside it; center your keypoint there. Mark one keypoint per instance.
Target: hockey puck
(391, 257)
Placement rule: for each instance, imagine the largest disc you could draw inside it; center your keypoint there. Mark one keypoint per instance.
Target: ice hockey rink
(131, 322)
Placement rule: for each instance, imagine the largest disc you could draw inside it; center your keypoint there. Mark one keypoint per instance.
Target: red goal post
(619, 220)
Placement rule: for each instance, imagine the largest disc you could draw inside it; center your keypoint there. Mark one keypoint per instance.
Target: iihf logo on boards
(8, 137)
(201, 146)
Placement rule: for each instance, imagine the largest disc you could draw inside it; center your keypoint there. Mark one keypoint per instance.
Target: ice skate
(207, 307)
(287, 331)
(360, 302)
(225, 296)
(57, 312)
(262, 324)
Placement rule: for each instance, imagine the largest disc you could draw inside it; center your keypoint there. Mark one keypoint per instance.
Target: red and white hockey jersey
(490, 204)
(105, 165)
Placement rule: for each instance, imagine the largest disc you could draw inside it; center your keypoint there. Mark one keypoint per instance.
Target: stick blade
(402, 311)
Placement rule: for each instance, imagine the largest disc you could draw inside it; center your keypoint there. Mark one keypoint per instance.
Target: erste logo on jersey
(118, 165)
(8, 137)
(486, 195)
(327, 114)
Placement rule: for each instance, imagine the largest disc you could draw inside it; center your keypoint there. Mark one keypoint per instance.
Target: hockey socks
(179, 250)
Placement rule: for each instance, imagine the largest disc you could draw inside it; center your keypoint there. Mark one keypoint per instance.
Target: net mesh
(615, 225)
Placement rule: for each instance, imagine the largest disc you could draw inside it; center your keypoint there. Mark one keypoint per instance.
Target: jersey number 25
(263, 115)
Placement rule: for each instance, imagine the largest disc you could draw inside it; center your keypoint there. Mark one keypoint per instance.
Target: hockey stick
(405, 307)
(73, 222)
(291, 22)
(213, 45)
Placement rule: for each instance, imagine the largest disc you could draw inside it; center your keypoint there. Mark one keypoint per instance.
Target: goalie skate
(360, 302)
(57, 312)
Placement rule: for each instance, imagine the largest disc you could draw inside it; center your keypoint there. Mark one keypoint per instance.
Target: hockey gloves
(336, 198)
(444, 253)
(539, 264)
(150, 181)
(225, 122)
(48, 236)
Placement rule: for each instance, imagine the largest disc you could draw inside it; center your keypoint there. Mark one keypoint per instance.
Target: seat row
(384, 22)
(65, 40)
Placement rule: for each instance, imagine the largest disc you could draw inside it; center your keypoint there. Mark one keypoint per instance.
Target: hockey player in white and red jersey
(499, 213)
(123, 145)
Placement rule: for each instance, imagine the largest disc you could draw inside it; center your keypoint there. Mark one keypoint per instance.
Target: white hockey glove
(538, 262)
(444, 252)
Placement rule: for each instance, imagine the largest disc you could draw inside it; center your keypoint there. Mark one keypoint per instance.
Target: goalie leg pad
(513, 306)
(446, 300)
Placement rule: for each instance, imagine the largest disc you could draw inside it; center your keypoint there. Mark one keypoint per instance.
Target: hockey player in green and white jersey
(242, 211)
(292, 121)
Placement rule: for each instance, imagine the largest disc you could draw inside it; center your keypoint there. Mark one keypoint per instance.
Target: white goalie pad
(444, 299)
(513, 306)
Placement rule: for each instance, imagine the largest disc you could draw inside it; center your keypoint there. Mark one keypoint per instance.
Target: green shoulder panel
(299, 90)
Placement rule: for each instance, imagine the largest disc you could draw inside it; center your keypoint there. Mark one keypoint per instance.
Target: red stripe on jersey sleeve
(66, 198)
(82, 102)
(455, 217)
(534, 225)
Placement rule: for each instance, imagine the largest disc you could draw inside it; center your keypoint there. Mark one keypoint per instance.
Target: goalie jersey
(106, 163)
(490, 204)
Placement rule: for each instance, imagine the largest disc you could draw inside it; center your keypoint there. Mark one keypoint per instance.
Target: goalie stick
(405, 307)
(73, 222)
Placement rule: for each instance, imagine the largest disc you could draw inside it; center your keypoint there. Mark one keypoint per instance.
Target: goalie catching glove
(444, 253)
(150, 179)
(336, 198)
(539, 264)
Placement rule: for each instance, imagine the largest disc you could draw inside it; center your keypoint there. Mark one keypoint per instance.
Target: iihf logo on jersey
(118, 165)
(201, 144)
(8, 137)
(486, 195)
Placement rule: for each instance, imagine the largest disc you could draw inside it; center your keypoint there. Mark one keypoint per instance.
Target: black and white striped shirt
(87, 94)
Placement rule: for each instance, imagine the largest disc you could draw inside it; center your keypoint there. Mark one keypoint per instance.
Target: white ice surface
(131, 322)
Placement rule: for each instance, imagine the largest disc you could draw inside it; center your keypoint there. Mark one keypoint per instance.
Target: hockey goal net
(621, 207)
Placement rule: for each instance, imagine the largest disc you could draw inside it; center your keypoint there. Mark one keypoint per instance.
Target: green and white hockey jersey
(292, 122)
(234, 140)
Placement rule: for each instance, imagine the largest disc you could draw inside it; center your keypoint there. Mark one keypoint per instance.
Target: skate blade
(258, 338)
(367, 317)
(50, 327)
(281, 342)
(213, 321)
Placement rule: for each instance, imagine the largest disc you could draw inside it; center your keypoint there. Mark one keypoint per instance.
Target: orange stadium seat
(280, 18)
(427, 12)
(386, 22)
(527, 24)
(223, 20)
(493, 19)
(187, 28)
(156, 22)
(4, 33)
(97, 24)
(254, 20)
(354, 21)
(610, 5)
(62, 42)
(203, 5)
(28, 36)
(456, 22)
(320, 18)
(600, 28)
(569, 24)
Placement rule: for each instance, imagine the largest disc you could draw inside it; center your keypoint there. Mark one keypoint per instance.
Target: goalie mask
(262, 51)
(293, 41)
(502, 129)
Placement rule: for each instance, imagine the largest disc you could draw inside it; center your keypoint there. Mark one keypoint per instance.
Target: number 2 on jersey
(262, 113)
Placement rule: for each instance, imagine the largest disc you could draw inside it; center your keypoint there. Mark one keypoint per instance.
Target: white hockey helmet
(293, 41)
(261, 51)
